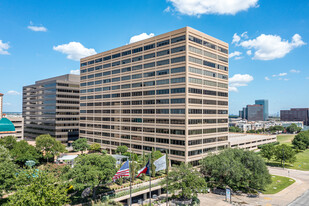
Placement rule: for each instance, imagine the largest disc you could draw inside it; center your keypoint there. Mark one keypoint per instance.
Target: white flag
(160, 163)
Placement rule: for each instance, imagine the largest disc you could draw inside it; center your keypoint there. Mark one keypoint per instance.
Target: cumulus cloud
(74, 50)
(199, 7)
(239, 80)
(236, 39)
(249, 52)
(235, 54)
(294, 71)
(269, 47)
(77, 71)
(4, 47)
(244, 35)
(36, 28)
(280, 74)
(140, 37)
(12, 92)
(266, 78)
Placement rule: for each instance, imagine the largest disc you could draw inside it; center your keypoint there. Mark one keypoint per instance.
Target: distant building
(51, 106)
(263, 102)
(250, 141)
(255, 112)
(18, 123)
(295, 114)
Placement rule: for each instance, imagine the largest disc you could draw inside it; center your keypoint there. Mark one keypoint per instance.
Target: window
(224, 59)
(195, 80)
(116, 55)
(162, 101)
(145, 120)
(90, 69)
(151, 92)
(195, 50)
(178, 49)
(98, 67)
(135, 59)
(149, 74)
(125, 86)
(162, 111)
(138, 102)
(209, 92)
(116, 71)
(209, 121)
(163, 91)
(164, 52)
(163, 62)
(222, 94)
(161, 140)
(178, 80)
(195, 121)
(177, 132)
(163, 43)
(177, 142)
(107, 58)
(162, 121)
(207, 131)
(195, 60)
(195, 111)
(127, 69)
(126, 78)
(106, 88)
(149, 101)
(148, 56)
(137, 93)
(106, 65)
(222, 67)
(115, 63)
(117, 79)
(137, 85)
(125, 61)
(210, 83)
(149, 111)
(178, 153)
(150, 46)
(137, 50)
(208, 73)
(178, 59)
(163, 72)
(91, 62)
(163, 131)
(177, 70)
(178, 101)
(106, 80)
(209, 54)
(195, 91)
(209, 111)
(222, 50)
(194, 39)
(83, 64)
(210, 102)
(152, 64)
(209, 64)
(178, 39)
(177, 111)
(163, 81)
(83, 71)
(138, 67)
(195, 131)
(115, 87)
(126, 53)
(137, 76)
(209, 45)
(151, 83)
(178, 90)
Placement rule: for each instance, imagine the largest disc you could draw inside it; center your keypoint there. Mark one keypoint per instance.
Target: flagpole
(150, 179)
(130, 181)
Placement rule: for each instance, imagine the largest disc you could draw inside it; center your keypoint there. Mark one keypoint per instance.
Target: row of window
(207, 82)
(206, 150)
(207, 121)
(135, 94)
(207, 131)
(207, 44)
(136, 111)
(136, 50)
(207, 73)
(141, 129)
(207, 140)
(207, 54)
(207, 63)
(207, 92)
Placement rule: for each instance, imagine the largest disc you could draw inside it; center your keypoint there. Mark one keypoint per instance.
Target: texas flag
(145, 170)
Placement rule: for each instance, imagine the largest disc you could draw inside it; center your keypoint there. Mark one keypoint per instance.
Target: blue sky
(270, 53)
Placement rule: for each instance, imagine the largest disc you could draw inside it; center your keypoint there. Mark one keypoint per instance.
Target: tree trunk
(93, 193)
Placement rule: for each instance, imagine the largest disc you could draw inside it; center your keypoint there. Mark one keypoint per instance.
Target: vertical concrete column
(159, 191)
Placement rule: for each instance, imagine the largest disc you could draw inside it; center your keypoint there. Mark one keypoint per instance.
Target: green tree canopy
(121, 149)
(236, 168)
(234, 129)
(293, 128)
(39, 188)
(301, 140)
(80, 145)
(49, 146)
(267, 151)
(7, 171)
(8, 142)
(91, 170)
(284, 153)
(22, 152)
(95, 147)
(185, 179)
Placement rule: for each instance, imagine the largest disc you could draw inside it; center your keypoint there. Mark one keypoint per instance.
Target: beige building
(18, 123)
(51, 106)
(250, 141)
(168, 92)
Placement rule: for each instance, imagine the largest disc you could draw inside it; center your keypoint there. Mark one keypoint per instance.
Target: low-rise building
(250, 141)
(18, 123)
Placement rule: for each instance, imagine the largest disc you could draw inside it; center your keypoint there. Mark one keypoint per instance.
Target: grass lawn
(302, 161)
(285, 138)
(278, 183)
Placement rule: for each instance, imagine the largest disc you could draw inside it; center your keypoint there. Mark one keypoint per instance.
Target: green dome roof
(6, 125)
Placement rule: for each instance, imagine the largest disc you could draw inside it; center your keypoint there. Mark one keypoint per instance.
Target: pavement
(296, 194)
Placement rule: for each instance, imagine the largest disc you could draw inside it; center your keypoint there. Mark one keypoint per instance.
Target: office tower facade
(255, 112)
(167, 93)
(263, 102)
(51, 106)
(295, 114)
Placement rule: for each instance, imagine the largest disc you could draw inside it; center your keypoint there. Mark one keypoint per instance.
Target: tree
(236, 168)
(234, 129)
(185, 179)
(80, 145)
(8, 142)
(293, 128)
(121, 149)
(7, 171)
(301, 140)
(95, 147)
(276, 128)
(39, 188)
(91, 170)
(22, 152)
(267, 151)
(285, 153)
(49, 146)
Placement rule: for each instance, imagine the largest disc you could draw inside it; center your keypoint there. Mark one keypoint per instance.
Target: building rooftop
(6, 125)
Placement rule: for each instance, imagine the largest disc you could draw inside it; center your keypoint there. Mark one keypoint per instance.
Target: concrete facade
(19, 126)
(250, 141)
(51, 106)
(168, 92)
(295, 114)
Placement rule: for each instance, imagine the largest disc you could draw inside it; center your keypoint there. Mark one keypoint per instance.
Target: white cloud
(140, 37)
(36, 28)
(294, 71)
(74, 50)
(269, 47)
(12, 92)
(239, 80)
(285, 79)
(199, 7)
(77, 71)
(236, 38)
(168, 9)
(282, 74)
(244, 35)
(240, 57)
(235, 54)
(249, 52)
(4, 47)
(266, 78)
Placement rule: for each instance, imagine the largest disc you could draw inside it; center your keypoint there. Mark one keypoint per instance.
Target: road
(295, 195)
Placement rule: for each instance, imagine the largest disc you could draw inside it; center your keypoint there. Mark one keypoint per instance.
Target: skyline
(267, 61)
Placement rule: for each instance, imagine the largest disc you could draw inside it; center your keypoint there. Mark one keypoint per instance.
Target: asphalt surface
(302, 200)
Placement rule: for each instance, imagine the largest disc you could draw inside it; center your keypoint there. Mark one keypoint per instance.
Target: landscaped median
(278, 183)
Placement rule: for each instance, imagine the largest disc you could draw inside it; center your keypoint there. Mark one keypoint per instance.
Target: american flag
(123, 171)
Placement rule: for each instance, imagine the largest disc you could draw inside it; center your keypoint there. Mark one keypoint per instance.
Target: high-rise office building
(295, 114)
(255, 112)
(167, 93)
(263, 102)
(51, 106)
